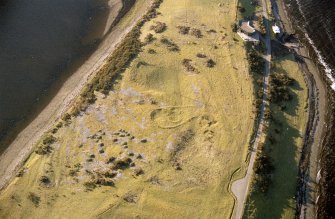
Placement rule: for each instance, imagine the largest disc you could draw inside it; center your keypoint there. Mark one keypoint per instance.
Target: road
(240, 187)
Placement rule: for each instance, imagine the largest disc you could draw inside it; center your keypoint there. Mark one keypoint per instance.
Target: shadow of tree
(283, 151)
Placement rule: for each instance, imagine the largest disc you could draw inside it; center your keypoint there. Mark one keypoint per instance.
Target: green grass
(279, 202)
(249, 9)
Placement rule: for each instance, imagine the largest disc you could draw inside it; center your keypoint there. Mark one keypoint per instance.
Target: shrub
(45, 180)
(261, 25)
(211, 31)
(210, 63)
(183, 30)
(122, 164)
(138, 171)
(159, 27)
(149, 38)
(35, 199)
(50, 139)
(151, 51)
(66, 117)
(234, 27)
(45, 146)
(59, 125)
(187, 64)
(129, 197)
(90, 185)
(196, 32)
(201, 55)
(170, 45)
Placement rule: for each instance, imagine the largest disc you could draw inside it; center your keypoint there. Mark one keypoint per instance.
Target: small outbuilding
(276, 29)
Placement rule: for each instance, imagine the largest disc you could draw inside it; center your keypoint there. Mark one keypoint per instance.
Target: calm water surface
(39, 42)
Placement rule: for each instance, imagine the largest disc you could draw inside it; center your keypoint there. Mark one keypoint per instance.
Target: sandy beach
(315, 130)
(20, 149)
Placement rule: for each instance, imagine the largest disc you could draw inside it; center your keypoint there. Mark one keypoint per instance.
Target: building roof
(275, 29)
(245, 27)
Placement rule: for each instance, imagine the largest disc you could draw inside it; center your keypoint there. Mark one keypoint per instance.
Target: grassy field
(165, 142)
(287, 129)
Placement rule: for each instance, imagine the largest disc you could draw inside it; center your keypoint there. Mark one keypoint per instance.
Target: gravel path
(240, 188)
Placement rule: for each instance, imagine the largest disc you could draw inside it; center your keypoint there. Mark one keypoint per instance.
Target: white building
(276, 29)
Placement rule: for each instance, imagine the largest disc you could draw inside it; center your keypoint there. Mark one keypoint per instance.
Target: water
(40, 40)
(316, 19)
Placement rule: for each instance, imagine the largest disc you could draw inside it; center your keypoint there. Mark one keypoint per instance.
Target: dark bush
(170, 45)
(149, 38)
(45, 180)
(187, 64)
(201, 55)
(122, 163)
(210, 63)
(159, 27)
(234, 27)
(196, 32)
(183, 30)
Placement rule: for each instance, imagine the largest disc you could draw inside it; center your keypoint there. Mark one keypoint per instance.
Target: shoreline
(97, 32)
(20, 149)
(318, 100)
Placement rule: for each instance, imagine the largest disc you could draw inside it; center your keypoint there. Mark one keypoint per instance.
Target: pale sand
(20, 149)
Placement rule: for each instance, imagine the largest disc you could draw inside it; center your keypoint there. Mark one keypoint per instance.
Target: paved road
(240, 187)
